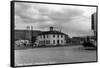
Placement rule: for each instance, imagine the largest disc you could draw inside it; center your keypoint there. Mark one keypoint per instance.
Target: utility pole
(28, 30)
(32, 35)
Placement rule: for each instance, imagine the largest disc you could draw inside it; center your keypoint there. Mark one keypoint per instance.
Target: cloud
(73, 20)
(66, 16)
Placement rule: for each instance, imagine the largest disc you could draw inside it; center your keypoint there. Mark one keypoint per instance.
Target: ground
(66, 54)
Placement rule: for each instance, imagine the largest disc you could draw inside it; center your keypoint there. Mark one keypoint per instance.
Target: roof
(52, 32)
(24, 34)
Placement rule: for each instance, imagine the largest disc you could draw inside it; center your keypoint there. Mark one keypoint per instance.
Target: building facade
(94, 24)
(51, 38)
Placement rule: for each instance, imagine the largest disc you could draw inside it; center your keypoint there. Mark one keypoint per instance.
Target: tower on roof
(51, 28)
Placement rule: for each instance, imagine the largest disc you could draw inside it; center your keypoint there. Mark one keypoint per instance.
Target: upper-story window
(54, 35)
(58, 35)
(43, 36)
(47, 36)
(61, 36)
(40, 36)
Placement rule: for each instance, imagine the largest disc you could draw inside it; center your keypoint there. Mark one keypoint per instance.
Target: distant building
(94, 24)
(78, 40)
(94, 21)
(51, 37)
(26, 34)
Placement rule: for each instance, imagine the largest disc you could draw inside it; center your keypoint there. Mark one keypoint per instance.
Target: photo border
(12, 56)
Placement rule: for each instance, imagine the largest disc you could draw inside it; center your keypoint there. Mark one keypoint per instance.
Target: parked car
(22, 43)
(89, 43)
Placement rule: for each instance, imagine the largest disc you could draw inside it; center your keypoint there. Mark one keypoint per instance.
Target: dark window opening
(48, 41)
(54, 35)
(44, 36)
(53, 41)
(40, 36)
(57, 41)
(44, 42)
(61, 36)
(47, 36)
(61, 41)
(58, 36)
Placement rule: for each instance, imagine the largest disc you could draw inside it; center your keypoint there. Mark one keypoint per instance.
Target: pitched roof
(52, 32)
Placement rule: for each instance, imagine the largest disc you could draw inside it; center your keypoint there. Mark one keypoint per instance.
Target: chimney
(51, 28)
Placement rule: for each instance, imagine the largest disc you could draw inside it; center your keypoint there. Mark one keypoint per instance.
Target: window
(47, 36)
(44, 36)
(54, 35)
(48, 41)
(58, 36)
(57, 41)
(40, 36)
(61, 36)
(40, 42)
(44, 41)
(61, 41)
(53, 41)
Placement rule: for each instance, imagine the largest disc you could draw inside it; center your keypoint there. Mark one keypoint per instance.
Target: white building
(51, 38)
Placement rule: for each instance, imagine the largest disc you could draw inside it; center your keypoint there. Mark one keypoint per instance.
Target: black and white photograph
(51, 33)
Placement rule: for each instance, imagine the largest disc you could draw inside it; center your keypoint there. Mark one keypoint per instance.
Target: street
(68, 54)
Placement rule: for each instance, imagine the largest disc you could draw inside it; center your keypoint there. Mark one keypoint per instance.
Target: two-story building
(51, 38)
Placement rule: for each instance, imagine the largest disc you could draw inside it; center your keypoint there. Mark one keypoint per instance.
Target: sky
(71, 20)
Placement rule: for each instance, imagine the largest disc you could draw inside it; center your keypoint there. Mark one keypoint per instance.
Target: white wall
(5, 34)
(51, 38)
